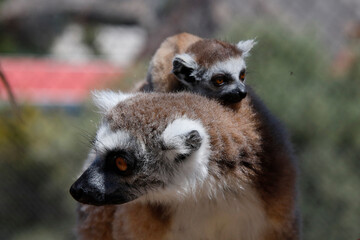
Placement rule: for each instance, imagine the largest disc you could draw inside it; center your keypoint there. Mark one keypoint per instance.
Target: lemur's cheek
(121, 196)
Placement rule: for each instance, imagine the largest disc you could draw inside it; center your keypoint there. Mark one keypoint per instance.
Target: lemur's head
(144, 149)
(214, 68)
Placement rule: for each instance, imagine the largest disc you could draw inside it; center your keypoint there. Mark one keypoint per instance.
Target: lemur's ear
(181, 138)
(106, 100)
(246, 46)
(183, 66)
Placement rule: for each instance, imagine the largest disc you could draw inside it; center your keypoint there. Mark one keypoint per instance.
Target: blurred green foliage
(41, 154)
(11, 43)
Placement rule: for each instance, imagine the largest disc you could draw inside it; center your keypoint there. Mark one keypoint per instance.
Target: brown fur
(236, 130)
(161, 65)
(150, 221)
(210, 51)
(95, 222)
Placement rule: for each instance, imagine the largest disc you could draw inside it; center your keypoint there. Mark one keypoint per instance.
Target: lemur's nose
(76, 192)
(242, 94)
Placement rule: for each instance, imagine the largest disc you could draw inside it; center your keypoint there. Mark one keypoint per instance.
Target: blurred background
(306, 68)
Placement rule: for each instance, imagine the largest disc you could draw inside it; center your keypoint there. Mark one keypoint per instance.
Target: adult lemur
(182, 166)
(217, 70)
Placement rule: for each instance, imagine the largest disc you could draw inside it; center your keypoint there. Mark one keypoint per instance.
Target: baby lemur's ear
(183, 67)
(181, 138)
(246, 46)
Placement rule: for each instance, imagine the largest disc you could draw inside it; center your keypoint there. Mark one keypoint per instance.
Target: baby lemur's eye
(218, 80)
(242, 75)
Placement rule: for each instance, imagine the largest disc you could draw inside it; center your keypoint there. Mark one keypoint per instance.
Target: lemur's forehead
(208, 52)
(232, 66)
(141, 121)
(107, 139)
(143, 116)
(149, 112)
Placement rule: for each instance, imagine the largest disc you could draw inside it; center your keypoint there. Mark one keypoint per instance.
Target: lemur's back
(159, 75)
(279, 179)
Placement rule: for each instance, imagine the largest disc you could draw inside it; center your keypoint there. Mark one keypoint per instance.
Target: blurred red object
(50, 82)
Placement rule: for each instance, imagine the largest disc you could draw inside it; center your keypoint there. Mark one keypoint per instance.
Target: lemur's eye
(218, 80)
(242, 75)
(121, 164)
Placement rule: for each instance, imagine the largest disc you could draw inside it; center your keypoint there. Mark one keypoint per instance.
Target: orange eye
(242, 75)
(121, 164)
(219, 81)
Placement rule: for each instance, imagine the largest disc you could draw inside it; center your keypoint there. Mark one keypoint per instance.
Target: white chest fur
(235, 219)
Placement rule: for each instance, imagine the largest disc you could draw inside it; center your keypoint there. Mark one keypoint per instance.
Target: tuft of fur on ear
(183, 66)
(106, 100)
(246, 46)
(182, 137)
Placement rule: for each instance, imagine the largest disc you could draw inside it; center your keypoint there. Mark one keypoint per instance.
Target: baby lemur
(182, 166)
(210, 67)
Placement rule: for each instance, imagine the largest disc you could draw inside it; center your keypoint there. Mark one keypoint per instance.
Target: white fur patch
(89, 160)
(190, 173)
(108, 140)
(106, 100)
(232, 66)
(231, 217)
(188, 60)
(172, 136)
(246, 46)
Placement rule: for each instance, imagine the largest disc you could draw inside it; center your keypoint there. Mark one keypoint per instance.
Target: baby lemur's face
(214, 69)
